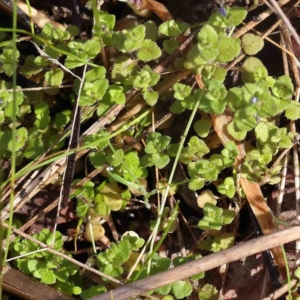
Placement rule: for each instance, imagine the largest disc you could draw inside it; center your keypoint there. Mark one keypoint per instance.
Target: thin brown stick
(261, 17)
(282, 290)
(284, 18)
(203, 264)
(65, 256)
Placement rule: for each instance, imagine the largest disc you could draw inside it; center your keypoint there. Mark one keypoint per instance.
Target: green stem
(14, 137)
(181, 144)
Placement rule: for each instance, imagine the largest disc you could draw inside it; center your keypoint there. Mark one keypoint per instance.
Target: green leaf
(170, 46)
(297, 272)
(253, 70)
(92, 48)
(181, 91)
(52, 52)
(48, 277)
(97, 159)
(148, 51)
(213, 219)
(34, 147)
(62, 274)
(47, 31)
(189, 101)
(91, 92)
(214, 97)
(208, 292)
(151, 31)
(293, 112)
(41, 109)
(196, 183)
(236, 134)
(54, 77)
(114, 94)
(215, 72)
(176, 107)
(124, 68)
(32, 265)
(98, 141)
(195, 56)
(278, 106)
(210, 55)
(129, 40)
(240, 97)
(236, 15)
(21, 138)
(172, 28)
(251, 43)
(283, 87)
(151, 97)
(208, 37)
(156, 143)
(73, 30)
(6, 59)
(218, 20)
(210, 224)
(173, 149)
(33, 65)
(229, 48)
(1, 117)
(58, 241)
(228, 216)
(95, 73)
(76, 47)
(160, 160)
(101, 206)
(116, 255)
(77, 290)
(181, 289)
(62, 118)
(78, 50)
(145, 78)
(106, 20)
(71, 62)
(115, 158)
(164, 290)
(196, 149)
(61, 35)
(227, 187)
(203, 126)
(94, 290)
(244, 119)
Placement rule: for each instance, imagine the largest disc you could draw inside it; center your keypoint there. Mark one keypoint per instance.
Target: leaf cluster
(113, 261)
(47, 267)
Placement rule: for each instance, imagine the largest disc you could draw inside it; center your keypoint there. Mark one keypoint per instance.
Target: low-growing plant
(45, 266)
(252, 106)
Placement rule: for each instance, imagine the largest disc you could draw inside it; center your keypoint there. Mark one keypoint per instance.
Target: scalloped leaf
(148, 51)
(229, 48)
(252, 43)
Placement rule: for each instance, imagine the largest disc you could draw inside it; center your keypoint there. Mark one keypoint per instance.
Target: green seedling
(254, 106)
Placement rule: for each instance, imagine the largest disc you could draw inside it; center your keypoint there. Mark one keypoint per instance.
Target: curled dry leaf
(206, 196)
(137, 192)
(142, 8)
(38, 17)
(94, 231)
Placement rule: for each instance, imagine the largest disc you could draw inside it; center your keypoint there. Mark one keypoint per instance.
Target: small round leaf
(252, 43)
